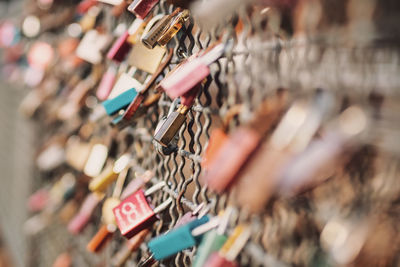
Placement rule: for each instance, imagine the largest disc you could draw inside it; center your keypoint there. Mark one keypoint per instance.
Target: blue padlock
(176, 240)
(119, 102)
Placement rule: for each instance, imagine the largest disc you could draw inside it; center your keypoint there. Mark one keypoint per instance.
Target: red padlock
(134, 213)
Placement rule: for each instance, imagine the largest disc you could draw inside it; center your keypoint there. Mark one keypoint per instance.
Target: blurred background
(17, 139)
(350, 47)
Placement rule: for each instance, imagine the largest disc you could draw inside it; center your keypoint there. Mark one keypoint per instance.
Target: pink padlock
(78, 223)
(191, 73)
(120, 48)
(184, 79)
(136, 184)
(216, 260)
(142, 7)
(106, 83)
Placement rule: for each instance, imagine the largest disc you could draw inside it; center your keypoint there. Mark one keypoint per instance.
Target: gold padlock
(174, 27)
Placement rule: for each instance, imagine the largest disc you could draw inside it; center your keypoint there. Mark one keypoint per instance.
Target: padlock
(155, 28)
(109, 224)
(120, 48)
(119, 102)
(91, 46)
(78, 223)
(213, 240)
(142, 7)
(219, 137)
(167, 131)
(191, 73)
(107, 83)
(106, 231)
(109, 175)
(134, 213)
(122, 45)
(231, 249)
(137, 183)
(291, 136)
(173, 28)
(125, 82)
(101, 238)
(146, 59)
(241, 145)
(96, 160)
(134, 105)
(171, 126)
(176, 240)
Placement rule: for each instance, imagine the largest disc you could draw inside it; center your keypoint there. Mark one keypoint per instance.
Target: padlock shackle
(155, 188)
(163, 206)
(204, 228)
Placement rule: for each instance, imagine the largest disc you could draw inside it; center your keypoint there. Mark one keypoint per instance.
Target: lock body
(120, 48)
(150, 39)
(142, 7)
(106, 84)
(238, 149)
(134, 214)
(176, 240)
(174, 28)
(101, 182)
(185, 78)
(169, 34)
(100, 239)
(112, 106)
(170, 127)
(146, 59)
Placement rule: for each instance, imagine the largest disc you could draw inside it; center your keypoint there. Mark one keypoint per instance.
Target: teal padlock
(176, 240)
(119, 102)
(212, 242)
